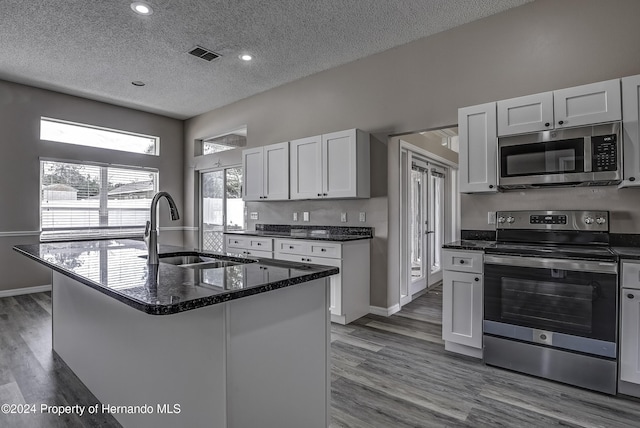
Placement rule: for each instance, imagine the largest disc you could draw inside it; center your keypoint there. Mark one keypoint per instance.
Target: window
(88, 201)
(86, 135)
(228, 141)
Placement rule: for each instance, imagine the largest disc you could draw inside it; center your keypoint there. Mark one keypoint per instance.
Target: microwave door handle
(587, 155)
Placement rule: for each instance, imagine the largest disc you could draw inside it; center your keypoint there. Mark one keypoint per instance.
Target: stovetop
(581, 252)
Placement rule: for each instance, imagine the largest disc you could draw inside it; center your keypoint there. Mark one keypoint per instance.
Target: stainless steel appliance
(551, 297)
(590, 155)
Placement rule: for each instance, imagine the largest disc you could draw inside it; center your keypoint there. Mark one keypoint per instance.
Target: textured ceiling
(96, 48)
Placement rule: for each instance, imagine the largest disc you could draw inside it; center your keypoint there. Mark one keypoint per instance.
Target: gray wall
(543, 45)
(20, 110)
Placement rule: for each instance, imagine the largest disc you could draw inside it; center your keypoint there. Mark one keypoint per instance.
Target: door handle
(428, 232)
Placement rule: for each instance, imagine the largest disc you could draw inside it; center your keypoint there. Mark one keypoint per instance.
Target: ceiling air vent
(203, 53)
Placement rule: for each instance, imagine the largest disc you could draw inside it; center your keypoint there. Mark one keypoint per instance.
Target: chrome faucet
(151, 228)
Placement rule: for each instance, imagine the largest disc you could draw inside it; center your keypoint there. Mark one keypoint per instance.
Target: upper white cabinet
(578, 106)
(525, 114)
(332, 165)
(266, 173)
(630, 120)
(478, 148)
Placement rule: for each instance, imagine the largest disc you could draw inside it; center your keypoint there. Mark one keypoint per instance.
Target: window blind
(88, 201)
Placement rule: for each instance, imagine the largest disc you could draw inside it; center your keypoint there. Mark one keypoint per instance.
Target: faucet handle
(147, 229)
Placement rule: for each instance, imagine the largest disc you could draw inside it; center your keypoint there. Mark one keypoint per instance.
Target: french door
(222, 207)
(426, 228)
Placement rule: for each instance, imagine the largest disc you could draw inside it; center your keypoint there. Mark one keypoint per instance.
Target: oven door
(567, 304)
(544, 162)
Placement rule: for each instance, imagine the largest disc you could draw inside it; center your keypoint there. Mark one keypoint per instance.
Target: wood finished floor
(386, 372)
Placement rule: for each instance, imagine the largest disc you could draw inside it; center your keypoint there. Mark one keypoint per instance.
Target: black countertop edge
(155, 309)
(286, 235)
(470, 245)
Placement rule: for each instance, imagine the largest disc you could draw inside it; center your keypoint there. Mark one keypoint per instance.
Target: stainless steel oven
(589, 155)
(551, 308)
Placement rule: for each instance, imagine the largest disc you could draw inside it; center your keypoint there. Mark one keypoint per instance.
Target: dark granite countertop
(469, 244)
(309, 235)
(627, 252)
(118, 268)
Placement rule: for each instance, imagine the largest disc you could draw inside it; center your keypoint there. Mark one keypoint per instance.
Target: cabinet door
(478, 148)
(525, 114)
(587, 104)
(630, 121)
(306, 168)
(339, 165)
(462, 308)
(276, 172)
(630, 336)
(252, 165)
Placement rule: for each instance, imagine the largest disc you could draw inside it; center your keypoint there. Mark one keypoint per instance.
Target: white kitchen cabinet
(462, 302)
(629, 369)
(334, 165)
(251, 246)
(478, 148)
(266, 173)
(349, 288)
(520, 115)
(565, 108)
(631, 130)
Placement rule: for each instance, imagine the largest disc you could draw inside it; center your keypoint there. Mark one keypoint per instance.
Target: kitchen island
(237, 346)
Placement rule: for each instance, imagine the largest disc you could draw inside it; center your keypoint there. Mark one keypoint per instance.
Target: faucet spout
(151, 229)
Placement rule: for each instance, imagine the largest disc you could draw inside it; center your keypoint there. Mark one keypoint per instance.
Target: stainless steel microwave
(590, 155)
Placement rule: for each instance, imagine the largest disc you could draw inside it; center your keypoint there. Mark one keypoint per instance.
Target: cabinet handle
(323, 249)
(325, 194)
(547, 124)
(264, 197)
(632, 179)
(630, 296)
(291, 247)
(561, 122)
(476, 279)
(319, 194)
(259, 243)
(490, 186)
(462, 262)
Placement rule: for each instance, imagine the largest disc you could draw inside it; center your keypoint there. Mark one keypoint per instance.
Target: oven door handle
(544, 263)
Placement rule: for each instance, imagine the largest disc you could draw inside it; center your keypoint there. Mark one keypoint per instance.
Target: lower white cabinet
(629, 362)
(245, 245)
(349, 288)
(462, 302)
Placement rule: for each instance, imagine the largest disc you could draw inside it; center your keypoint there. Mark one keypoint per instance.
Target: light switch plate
(254, 216)
(363, 216)
(295, 216)
(343, 217)
(305, 216)
(491, 217)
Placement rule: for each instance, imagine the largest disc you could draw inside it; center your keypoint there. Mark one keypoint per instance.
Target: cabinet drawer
(248, 242)
(236, 241)
(326, 250)
(262, 244)
(290, 246)
(306, 259)
(631, 274)
(462, 261)
(250, 253)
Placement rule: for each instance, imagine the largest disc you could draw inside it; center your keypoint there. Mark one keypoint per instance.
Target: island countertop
(118, 268)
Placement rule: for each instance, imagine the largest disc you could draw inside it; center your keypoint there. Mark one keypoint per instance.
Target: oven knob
(588, 220)
(601, 220)
(510, 219)
(501, 219)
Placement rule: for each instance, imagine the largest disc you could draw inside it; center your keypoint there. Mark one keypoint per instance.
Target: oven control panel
(596, 221)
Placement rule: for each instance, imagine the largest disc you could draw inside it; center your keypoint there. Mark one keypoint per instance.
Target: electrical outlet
(491, 217)
(363, 216)
(343, 217)
(254, 216)
(305, 216)
(295, 216)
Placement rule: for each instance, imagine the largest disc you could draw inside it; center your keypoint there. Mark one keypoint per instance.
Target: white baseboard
(25, 290)
(384, 312)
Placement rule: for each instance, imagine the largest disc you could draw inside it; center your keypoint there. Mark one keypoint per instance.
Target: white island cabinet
(462, 302)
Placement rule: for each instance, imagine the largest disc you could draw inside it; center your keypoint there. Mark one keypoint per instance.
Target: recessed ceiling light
(246, 57)
(141, 8)
(138, 83)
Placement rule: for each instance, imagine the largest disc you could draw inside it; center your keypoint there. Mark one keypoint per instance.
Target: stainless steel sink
(195, 261)
(184, 260)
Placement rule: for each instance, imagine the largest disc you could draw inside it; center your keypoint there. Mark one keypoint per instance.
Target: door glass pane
(436, 239)
(417, 224)
(235, 204)
(212, 210)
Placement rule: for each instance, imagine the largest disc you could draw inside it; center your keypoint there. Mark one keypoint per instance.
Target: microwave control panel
(604, 153)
